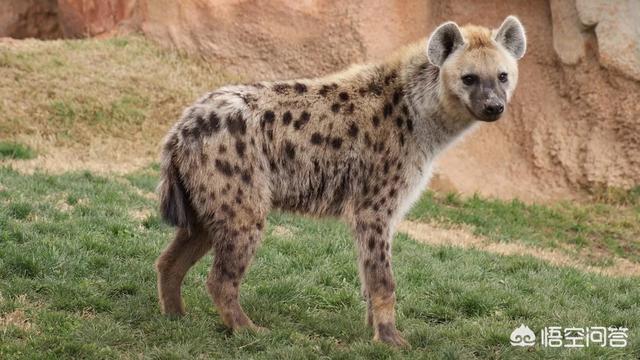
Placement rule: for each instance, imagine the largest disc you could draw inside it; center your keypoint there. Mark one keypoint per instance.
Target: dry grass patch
(101, 105)
(464, 238)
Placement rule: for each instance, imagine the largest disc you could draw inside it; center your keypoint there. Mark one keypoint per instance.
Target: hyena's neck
(436, 125)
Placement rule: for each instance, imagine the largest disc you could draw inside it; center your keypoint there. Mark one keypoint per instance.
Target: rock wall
(575, 120)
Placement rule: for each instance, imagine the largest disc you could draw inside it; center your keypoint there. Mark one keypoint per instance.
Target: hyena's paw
(239, 322)
(388, 334)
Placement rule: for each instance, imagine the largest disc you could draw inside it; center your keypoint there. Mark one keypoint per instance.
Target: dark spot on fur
(300, 88)
(387, 110)
(410, 125)
(324, 90)
(222, 149)
(286, 118)
(353, 130)
(246, 177)
(281, 88)
(375, 120)
(316, 166)
(385, 168)
(227, 209)
(336, 142)
(259, 225)
(302, 120)
(399, 121)
(270, 134)
(214, 122)
(316, 138)
(375, 89)
(224, 167)
(372, 243)
(392, 192)
(397, 96)
(366, 203)
(241, 146)
(402, 139)
(268, 117)
(343, 96)
(236, 124)
(335, 107)
(289, 149)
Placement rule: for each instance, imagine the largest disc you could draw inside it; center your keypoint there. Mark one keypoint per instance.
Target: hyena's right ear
(442, 42)
(512, 36)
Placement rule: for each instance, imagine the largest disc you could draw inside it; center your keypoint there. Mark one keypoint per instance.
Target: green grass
(13, 150)
(79, 265)
(610, 225)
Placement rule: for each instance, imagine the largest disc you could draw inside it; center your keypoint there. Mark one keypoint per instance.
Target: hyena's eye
(503, 77)
(469, 79)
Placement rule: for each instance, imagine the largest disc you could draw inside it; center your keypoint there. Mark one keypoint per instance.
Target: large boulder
(617, 27)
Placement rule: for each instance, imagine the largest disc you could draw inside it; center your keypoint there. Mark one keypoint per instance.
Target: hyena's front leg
(373, 239)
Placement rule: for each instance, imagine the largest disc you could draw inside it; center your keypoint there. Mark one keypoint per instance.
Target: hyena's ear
(511, 35)
(442, 42)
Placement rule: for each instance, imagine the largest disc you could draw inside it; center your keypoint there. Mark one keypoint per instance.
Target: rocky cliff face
(575, 121)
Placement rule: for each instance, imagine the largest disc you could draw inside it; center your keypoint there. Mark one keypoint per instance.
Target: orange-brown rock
(81, 18)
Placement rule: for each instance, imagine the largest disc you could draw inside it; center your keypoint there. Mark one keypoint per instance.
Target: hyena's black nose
(493, 109)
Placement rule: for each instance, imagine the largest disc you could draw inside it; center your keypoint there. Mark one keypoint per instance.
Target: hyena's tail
(175, 204)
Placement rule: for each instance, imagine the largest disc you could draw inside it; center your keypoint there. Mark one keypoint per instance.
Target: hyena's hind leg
(235, 244)
(174, 262)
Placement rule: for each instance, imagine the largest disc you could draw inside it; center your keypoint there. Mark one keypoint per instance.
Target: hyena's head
(478, 66)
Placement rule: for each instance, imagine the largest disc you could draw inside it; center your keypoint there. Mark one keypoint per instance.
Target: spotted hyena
(358, 145)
